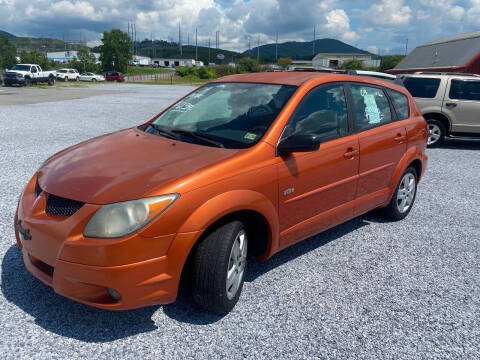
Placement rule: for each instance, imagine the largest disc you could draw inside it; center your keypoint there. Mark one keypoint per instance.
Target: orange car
(247, 164)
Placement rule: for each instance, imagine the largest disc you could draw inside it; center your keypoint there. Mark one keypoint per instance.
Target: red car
(114, 76)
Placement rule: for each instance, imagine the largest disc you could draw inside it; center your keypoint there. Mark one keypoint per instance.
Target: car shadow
(460, 144)
(68, 318)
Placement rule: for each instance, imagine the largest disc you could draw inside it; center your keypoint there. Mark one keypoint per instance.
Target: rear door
(462, 105)
(383, 141)
(317, 189)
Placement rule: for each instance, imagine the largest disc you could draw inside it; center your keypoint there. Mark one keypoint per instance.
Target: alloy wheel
(434, 134)
(236, 264)
(406, 192)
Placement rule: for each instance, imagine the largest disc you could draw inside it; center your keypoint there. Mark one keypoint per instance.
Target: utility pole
(258, 50)
(314, 38)
(276, 47)
(208, 50)
(180, 40)
(250, 45)
(196, 44)
(135, 43)
(406, 48)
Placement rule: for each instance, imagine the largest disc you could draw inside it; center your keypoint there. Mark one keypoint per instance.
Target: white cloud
(338, 23)
(389, 13)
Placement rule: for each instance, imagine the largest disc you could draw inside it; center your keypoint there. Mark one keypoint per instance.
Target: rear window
(465, 90)
(422, 87)
(400, 103)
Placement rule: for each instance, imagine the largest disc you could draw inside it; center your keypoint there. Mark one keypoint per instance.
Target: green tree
(34, 57)
(115, 50)
(247, 65)
(8, 52)
(389, 62)
(86, 60)
(284, 62)
(353, 64)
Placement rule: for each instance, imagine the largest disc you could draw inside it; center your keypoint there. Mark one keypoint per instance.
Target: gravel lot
(367, 289)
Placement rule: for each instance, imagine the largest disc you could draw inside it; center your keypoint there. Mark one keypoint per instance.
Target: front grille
(38, 189)
(57, 205)
(10, 75)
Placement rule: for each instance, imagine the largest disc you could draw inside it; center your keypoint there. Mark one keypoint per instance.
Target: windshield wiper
(164, 132)
(195, 135)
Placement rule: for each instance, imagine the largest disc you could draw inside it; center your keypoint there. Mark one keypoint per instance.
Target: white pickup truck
(27, 74)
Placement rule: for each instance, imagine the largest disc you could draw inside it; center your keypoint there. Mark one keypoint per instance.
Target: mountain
(170, 50)
(6, 33)
(44, 44)
(304, 50)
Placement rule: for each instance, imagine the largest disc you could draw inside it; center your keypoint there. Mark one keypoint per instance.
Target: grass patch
(139, 70)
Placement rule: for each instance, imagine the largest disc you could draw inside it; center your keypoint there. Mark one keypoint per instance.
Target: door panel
(462, 105)
(313, 183)
(382, 142)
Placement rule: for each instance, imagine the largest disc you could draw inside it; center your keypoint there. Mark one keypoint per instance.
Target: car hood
(125, 165)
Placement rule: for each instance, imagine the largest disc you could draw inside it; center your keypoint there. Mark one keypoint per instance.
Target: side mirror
(298, 143)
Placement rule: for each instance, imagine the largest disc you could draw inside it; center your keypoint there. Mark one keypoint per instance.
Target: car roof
(443, 75)
(297, 78)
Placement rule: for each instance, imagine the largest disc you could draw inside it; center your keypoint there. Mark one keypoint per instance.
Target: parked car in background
(114, 76)
(88, 76)
(68, 75)
(449, 102)
(248, 164)
(27, 74)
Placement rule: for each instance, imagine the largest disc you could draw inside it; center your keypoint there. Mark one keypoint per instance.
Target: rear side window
(323, 113)
(371, 107)
(465, 90)
(422, 87)
(400, 103)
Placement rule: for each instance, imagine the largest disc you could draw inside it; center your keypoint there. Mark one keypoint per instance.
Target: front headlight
(124, 218)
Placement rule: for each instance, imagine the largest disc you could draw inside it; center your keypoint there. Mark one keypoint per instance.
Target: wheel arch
(412, 157)
(440, 117)
(247, 205)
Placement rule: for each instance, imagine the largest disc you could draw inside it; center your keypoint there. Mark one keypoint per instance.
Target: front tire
(403, 197)
(219, 268)
(65, 79)
(28, 82)
(436, 132)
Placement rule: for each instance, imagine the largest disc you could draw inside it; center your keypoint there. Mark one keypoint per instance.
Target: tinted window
(371, 107)
(400, 103)
(422, 87)
(237, 115)
(465, 90)
(323, 113)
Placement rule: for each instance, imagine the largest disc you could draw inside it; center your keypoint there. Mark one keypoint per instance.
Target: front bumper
(143, 271)
(14, 81)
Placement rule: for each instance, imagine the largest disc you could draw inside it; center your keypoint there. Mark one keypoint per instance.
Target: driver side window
(323, 112)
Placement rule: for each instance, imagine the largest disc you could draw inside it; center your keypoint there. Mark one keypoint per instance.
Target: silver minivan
(449, 102)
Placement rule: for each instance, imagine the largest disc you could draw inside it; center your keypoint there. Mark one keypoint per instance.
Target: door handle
(350, 154)
(400, 138)
(450, 105)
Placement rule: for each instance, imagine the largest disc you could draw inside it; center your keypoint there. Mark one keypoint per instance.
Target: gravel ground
(367, 289)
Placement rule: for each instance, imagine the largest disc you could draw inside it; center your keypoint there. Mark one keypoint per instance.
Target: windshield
(21, 67)
(236, 115)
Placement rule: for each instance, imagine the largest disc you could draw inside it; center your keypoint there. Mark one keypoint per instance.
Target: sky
(379, 26)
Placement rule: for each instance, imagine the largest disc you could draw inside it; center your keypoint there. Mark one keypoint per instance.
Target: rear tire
(436, 133)
(219, 267)
(403, 197)
(51, 81)
(77, 79)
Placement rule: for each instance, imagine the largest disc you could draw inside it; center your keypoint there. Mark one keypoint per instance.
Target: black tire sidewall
(219, 242)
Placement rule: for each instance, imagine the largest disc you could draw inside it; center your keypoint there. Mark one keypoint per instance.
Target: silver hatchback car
(450, 102)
